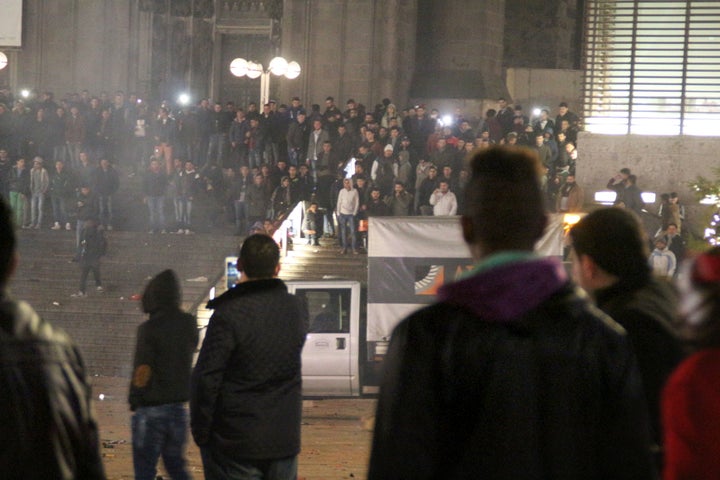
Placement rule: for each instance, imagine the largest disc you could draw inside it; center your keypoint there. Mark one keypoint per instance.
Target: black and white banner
(409, 258)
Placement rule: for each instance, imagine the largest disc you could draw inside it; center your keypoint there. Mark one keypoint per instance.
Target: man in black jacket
(610, 262)
(246, 398)
(160, 384)
(93, 246)
(46, 418)
(511, 374)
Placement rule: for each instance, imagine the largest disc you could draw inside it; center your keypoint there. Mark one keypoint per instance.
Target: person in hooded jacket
(512, 374)
(160, 387)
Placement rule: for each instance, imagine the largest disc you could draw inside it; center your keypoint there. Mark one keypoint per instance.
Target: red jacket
(691, 418)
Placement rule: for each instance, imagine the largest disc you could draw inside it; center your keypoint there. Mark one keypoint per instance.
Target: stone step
(104, 324)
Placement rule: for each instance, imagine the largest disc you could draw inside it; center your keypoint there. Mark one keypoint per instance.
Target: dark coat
(246, 387)
(106, 182)
(61, 184)
(165, 346)
(154, 184)
(257, 200)
(165, 132)
(87, 206)
(512, 375)
(45, 415)
(92, 245)
(647, 310)
(19, 181)
(632, 198)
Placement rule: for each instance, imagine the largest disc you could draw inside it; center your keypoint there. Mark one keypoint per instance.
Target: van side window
(329, 309)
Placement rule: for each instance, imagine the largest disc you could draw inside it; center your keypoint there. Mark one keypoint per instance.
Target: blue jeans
(347, 222)
(254, 158)
(184, 210)
(241, 216)
(78, 233)
(216, 149)
(218, 466)
(156, 431)
(329, 221)
(294, 156)
(37, 205)
(59, 210)
(106, 210)
(272, 153)
(156, 206)
(73, 151)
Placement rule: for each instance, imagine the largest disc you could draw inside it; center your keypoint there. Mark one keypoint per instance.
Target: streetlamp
(3, 60)
(278, 66)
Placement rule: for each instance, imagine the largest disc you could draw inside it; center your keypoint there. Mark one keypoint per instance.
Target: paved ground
(335, 435)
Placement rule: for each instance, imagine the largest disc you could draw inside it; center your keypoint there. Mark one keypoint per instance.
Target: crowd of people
(510, 374)
(668, 242)
(254, 162)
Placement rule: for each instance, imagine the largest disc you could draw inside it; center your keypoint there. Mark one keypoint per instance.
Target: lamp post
(278, 66)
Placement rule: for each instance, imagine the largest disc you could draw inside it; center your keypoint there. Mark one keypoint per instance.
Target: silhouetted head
(504, 201)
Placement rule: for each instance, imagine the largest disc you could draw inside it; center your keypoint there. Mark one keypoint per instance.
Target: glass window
(659, 54)
(329, 309)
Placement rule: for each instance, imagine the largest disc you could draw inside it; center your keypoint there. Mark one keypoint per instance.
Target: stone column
(460, 49)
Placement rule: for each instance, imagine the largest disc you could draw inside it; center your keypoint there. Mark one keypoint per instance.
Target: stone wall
(365, 49)
(459, 50)
(662, 163)
(69, 45)
(545, 88)
(349, 48)
(543, 34)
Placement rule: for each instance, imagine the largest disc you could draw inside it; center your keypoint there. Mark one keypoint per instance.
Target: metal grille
(652, 67)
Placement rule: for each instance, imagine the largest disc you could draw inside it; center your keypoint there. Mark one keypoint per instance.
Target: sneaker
(163, 231)
(78, 295)
(344, 251)
(179, 232)
(99, 288)
(356, 252)
(109, 227)
(36, 227)
(56, 226)
(67, 226)
(187, 231)
(151, 231)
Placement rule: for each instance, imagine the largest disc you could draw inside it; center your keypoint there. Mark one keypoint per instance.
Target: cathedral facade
(407, 50)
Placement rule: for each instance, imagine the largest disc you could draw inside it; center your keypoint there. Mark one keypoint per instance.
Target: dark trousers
(86, 269)
(218, 466)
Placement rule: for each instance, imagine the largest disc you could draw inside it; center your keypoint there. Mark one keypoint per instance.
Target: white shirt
(443, 203)
(348, 202)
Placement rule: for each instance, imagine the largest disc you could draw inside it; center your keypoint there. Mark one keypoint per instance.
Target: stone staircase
(104, 324)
